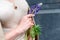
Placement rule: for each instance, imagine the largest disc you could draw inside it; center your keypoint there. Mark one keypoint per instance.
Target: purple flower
(34, 9)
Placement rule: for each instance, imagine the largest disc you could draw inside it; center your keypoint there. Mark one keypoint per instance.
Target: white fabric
(11, 17)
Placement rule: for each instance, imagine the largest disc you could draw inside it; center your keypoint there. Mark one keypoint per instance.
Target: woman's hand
(25, 23)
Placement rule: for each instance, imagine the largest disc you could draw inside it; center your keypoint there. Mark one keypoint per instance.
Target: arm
(25, 23)
(13, 34)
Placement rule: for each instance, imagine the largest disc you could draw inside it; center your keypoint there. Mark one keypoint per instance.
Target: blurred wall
(49, 19)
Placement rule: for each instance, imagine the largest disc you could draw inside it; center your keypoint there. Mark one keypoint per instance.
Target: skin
(24, 24)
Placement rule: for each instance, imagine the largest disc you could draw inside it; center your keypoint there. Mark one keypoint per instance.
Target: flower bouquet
(35, 30)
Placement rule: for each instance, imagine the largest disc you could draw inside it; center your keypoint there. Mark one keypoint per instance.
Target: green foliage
(35, 30)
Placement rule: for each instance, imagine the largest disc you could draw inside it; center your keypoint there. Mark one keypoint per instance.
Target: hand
(25, 23)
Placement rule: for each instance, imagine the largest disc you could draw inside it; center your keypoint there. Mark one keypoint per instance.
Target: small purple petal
(34, 9)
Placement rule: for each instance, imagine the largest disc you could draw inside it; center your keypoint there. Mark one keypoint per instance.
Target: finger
(31, 23)
(30, 19)
(30, 15)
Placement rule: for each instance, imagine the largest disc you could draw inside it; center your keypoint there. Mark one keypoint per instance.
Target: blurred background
(49, 19)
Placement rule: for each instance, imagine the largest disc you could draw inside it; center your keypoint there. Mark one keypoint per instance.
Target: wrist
(19, 30)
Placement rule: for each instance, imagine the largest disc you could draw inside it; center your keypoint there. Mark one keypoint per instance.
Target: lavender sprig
(35, 30)
(35, 8)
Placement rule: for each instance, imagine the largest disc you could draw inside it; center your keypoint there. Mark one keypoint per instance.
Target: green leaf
(32, 32)
(35, 30)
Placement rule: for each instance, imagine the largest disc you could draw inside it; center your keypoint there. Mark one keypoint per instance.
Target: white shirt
(10, 16)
